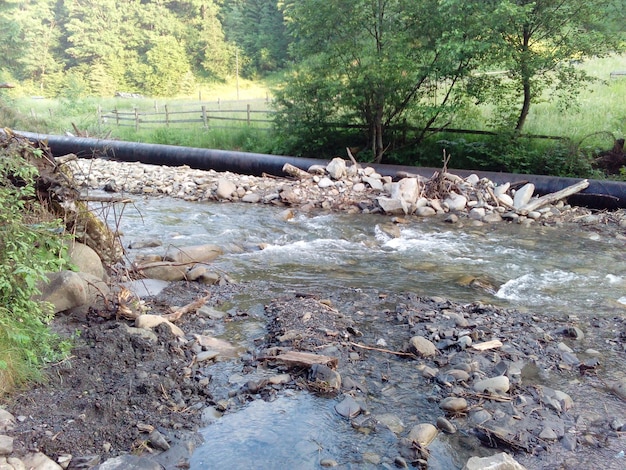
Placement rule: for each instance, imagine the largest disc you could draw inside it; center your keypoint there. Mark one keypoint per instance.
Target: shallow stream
(556, 273)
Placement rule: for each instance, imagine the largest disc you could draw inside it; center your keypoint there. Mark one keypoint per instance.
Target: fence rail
(203, 115)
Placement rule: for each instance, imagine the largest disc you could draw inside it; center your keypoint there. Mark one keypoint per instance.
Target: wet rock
(322, 374)
(423, 434)
(480, 416)
(348, 407)
(158, 441)
(423, 347)
(425, 211)
(443, 424)
(453, 404)
(328, 463)
(498, 384)
(392, 421)
(125, 462)
(392, 206)
(193, 254)
(209, 415)
(501, 461)
(163, 271)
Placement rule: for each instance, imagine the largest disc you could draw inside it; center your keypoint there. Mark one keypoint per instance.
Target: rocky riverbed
(135, 394)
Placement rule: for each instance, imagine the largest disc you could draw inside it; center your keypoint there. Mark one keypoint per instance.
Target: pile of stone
(339, 186)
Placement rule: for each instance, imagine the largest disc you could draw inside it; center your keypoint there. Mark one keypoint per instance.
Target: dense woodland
(380, 73)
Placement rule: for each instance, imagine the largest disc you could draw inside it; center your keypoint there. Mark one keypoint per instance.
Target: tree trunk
(525, 76)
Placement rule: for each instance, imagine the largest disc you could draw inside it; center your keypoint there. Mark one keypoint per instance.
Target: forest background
(392, 79)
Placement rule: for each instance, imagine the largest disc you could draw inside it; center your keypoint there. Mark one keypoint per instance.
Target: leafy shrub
(29, 247)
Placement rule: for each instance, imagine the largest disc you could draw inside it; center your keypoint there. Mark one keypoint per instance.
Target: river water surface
(552, 272)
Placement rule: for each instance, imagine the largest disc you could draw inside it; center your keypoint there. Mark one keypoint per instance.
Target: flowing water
(551, 272)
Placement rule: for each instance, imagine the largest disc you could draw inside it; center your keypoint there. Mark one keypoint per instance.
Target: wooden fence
(214, 115)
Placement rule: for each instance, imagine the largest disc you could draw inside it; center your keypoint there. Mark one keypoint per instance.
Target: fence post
(248, 113)
(167, 117)
(136, 120)
(156, 106)
(219, 107)
(99, 115)
(204, 118)
(117, 117)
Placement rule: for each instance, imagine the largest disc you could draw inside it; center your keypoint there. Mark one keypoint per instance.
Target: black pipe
(601, 194)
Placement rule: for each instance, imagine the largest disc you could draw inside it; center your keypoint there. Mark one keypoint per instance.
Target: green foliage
(391, 68)
(28, 249)
(537, 45)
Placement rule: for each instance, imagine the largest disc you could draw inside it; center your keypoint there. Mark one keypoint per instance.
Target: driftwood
(382, 350)
(553, 197)
(7, 85)
(295, 171)
(191, 307)
(495, 343)
(302, 359)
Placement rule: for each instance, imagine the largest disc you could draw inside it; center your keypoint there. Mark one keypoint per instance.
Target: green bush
(30, 246)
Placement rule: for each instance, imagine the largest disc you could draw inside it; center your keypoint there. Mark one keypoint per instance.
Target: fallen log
(302, 359)
(296, 172)
(553, 197)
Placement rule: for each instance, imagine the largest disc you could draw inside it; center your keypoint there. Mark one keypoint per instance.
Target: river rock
(406, 189)
(7, 421)
(324, 374)
(501, 461)
(151, 321)
(498, 384)
(158, 441)
(392, 421)
(39, 461)
(523, 195)
(477, 213)
(455, 202)
(619, 388)
(129, 461)
(392, 205)
(6, 445)
(337, 168)
(443, 424)
(210, 343)
(423, 347)
(453, 404)
(423, 434)
(86, 260)
(425, 211)
(374, 183)
(209, 415)
(163, 271)
(348, 407)
(193, 254)
(225, 188)
(67, 290)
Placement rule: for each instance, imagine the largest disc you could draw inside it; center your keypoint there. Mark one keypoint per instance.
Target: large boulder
(193, 254)
(86, 260)
(66, 290)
